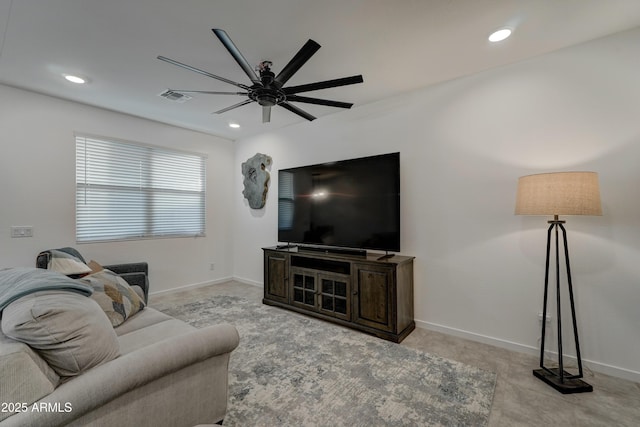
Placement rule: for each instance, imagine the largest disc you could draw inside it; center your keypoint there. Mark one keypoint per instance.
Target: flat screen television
(346, 204)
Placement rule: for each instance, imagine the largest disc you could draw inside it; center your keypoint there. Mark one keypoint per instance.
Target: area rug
(294, 370)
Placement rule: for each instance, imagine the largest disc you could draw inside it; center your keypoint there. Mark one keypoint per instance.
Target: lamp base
(569, 386)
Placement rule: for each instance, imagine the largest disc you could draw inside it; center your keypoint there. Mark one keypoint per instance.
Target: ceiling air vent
(175, 96)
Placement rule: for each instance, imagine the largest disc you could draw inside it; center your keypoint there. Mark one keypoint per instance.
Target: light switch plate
(22, 231)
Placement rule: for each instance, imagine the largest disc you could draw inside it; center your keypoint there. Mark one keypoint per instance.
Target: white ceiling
(397, 45)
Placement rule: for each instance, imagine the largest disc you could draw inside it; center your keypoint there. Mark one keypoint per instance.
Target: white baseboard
(595, 366)
(249, 282)
(191, 286)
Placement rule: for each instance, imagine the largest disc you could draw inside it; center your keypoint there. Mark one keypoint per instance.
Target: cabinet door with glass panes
(304, 288)
(334, 298)
(327, 293)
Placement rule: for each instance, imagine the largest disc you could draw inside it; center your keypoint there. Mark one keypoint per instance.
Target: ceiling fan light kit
(267, 88)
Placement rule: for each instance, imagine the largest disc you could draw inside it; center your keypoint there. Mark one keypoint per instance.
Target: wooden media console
(369, 292)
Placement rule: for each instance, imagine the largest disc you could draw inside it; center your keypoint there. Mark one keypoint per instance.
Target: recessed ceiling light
(75, 79)
(500, 35)
(234, 125)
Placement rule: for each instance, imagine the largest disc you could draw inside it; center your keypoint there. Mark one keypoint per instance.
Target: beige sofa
(167, 373)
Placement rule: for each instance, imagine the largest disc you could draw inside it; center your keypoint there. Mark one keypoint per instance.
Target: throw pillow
(68, 330)
(114, 295)
(67, 264)
(94, 266)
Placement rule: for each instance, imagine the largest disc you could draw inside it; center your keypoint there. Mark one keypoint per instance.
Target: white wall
(37, 188)
(479, 269)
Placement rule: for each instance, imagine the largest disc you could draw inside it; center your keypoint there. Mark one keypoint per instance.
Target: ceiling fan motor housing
(269, 94)
(267, 98)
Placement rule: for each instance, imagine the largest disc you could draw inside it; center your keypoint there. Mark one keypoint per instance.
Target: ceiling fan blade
(204, 73)
(266, 113)
(239, 104)
(233, 50)
(318, 101)
(303, 55)
(297, 111)
(210, 92)
(323, 85)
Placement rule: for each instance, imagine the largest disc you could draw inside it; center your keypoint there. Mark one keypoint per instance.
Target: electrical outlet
(540, 317)
(212, 266)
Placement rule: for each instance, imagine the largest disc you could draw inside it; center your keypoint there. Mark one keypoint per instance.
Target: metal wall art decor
(256, 180)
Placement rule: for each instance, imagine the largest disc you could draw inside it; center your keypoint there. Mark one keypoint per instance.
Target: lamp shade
(559, 193)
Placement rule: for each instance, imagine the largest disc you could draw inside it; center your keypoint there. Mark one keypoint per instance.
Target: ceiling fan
(268, 89)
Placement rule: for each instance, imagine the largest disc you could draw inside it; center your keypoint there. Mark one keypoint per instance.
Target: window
(132, 191)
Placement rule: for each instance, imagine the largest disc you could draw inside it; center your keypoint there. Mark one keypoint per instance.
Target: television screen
(350, 203)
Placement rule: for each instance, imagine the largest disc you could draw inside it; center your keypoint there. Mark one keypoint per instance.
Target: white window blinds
(133, 191)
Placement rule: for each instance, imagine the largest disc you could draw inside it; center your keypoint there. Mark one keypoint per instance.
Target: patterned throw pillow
(66, 264)
(114, 295)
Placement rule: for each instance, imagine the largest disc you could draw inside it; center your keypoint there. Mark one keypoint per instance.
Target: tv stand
(369, 292)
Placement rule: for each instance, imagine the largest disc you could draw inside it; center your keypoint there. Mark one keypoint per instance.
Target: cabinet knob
(355, 292)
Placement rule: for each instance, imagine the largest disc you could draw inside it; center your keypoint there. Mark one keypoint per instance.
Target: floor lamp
(560, 193)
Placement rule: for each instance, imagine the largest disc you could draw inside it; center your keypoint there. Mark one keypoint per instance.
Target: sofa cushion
(114, 295)
(146, 317)
(154, 333)
(69, 331)
(25, 376)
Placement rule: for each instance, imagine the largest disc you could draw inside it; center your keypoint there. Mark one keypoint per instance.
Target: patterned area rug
(293, 370)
